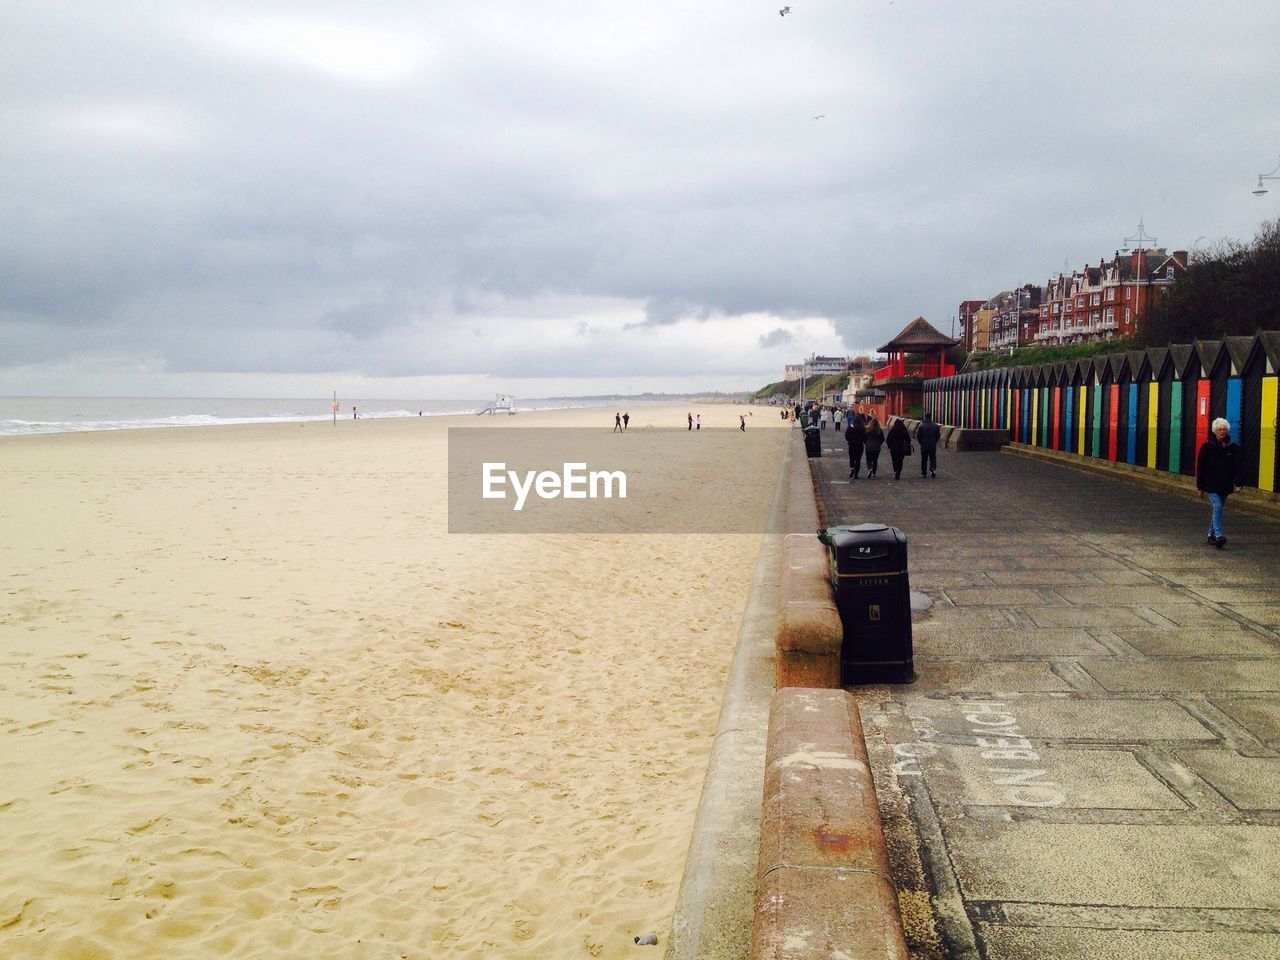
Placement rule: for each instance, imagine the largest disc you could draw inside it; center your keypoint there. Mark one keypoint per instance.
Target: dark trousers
(897, 459)
(873, 459)
(855, 459)
(928, 461)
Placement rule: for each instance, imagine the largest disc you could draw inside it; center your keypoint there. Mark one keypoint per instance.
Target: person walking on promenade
(691, 421)
(626, 419)
(875, 440)
(1218, 475)
(899, 443)
(617, 423)
(856, 436)
(824, 418)
(927, 435)
(837, 417)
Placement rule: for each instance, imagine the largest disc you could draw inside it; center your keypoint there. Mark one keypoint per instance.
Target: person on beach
(354, 415)
(856, 436)
(927, 435)
(626, 419)
(875, 440)
(617, 423)
(898, 440)
(691, 421)
(698, 422)
(742, 423)
(1218, 475)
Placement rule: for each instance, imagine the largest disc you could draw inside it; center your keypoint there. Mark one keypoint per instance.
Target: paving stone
(1110, 617)
(1221, 867)
(1186, 676)
(999, 597)
(1259, 715)
(1072, 718)
(1005, 942)
(1267, 614)
(1199, 642)
(1191, 615)
(1251, 783)
(959, 677)
(941, 640)
(1108, 596)
(1063, 778)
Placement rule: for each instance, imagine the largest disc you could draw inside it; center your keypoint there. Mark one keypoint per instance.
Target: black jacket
(898, 440)
(1218, 466)
(856, 436)
(875, 439)
(927, 435)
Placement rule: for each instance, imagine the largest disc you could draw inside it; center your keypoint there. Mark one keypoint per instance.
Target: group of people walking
(866, 438)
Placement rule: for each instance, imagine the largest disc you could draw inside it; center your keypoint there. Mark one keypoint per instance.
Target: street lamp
(1140, 237)
(1266, 176)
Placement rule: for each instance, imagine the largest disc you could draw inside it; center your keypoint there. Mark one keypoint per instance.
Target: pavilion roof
(918, 336)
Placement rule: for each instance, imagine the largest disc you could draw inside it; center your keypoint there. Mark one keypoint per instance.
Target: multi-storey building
(966, 310)
(982, 321)
(1109, 300)
(1017, 315)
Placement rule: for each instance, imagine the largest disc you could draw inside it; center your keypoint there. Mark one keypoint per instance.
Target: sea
(21, 416)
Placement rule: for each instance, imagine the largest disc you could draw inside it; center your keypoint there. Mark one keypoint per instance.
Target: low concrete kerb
(824, 886)
(810, 633)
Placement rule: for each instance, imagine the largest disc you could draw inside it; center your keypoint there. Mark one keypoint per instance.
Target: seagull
(784, 11)
(820, 116)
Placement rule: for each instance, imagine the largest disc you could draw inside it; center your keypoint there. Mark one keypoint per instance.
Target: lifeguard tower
(502, 403)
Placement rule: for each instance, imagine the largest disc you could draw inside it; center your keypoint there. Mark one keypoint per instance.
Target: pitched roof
(917, 336)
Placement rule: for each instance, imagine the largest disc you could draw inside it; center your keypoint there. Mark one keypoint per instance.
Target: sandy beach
(256, 702)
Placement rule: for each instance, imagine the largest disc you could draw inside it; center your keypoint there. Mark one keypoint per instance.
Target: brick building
(1109, 300)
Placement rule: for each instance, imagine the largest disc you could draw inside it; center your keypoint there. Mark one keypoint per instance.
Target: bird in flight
(784, 11)
(820, 116)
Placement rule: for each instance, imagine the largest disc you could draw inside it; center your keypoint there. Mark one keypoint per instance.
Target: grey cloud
(158, 186)
(776, 338)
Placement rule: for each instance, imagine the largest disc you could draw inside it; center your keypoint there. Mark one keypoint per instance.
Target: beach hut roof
(1211, 353)
(1182, 354)
(1136, 360)
(1269, 340)
(1119, 364)
(1158, 358)
(1240, 349)
(919, 336)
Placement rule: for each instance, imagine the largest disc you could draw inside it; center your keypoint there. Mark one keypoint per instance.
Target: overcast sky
(411, 199)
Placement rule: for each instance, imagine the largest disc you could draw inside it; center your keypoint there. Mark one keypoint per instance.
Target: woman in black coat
(875, 440)
(1218, 475)
(856, 436)
(899, 443)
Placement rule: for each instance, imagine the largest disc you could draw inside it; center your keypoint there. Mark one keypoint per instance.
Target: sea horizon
(32, 415)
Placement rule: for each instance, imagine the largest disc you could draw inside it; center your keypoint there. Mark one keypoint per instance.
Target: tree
(1233, 289)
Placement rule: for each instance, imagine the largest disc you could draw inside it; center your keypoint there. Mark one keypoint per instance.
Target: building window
(1126, 314)
(1169, 273)
(1128, 291)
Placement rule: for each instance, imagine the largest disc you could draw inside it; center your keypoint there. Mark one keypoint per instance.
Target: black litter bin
(813, 441)
(873, 595)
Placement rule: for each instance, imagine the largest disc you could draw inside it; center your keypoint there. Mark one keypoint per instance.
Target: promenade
(1086, 765)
